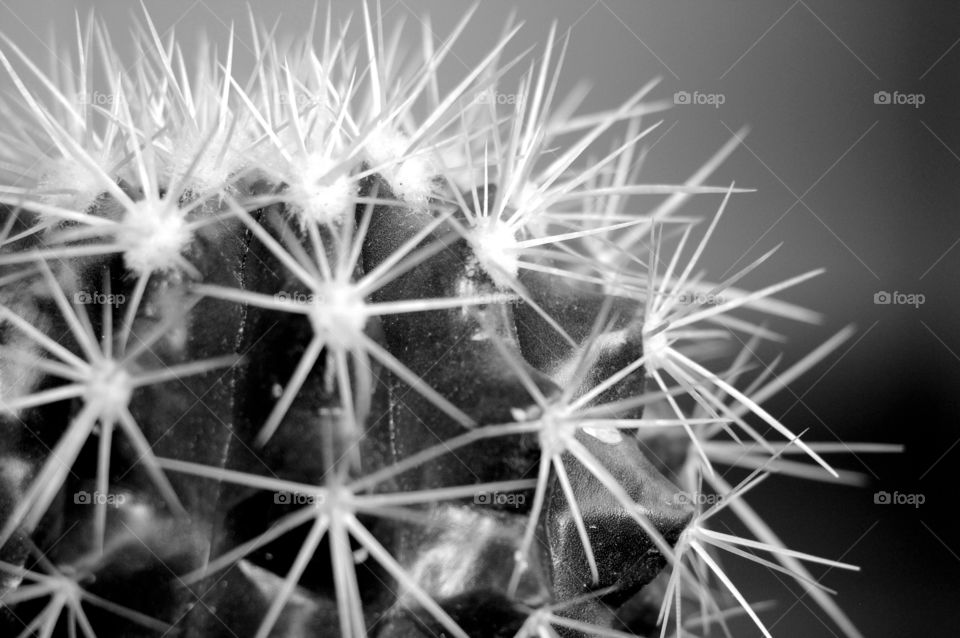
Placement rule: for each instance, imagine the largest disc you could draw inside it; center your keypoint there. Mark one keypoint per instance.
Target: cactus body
(325, 351)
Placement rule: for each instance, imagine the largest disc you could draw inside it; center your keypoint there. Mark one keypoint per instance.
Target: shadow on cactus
(328, 348)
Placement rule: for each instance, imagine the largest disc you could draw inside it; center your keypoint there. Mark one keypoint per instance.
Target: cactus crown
(385, 356)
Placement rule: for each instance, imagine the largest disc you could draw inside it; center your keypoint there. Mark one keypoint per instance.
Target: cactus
(331, 350)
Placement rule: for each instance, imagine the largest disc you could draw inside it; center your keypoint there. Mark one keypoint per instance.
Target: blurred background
(855, 151)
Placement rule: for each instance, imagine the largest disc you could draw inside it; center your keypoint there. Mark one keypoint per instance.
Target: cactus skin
(464, 366)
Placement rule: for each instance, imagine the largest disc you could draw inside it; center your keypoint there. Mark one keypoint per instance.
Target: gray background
(868, 191)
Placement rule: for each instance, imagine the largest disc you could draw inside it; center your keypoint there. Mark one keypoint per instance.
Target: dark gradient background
(869, 191)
